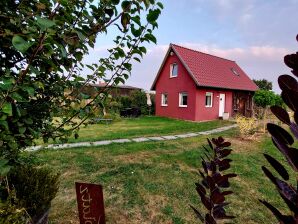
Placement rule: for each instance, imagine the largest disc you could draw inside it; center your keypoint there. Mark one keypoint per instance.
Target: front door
(222, 97)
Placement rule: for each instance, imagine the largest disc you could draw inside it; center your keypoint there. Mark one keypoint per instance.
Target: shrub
(138, 99)
(34, 187)
(247, 126)
(285, 142)
(11, 213)
(211, 187)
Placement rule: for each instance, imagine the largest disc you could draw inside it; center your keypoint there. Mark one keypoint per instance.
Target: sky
(257, 34)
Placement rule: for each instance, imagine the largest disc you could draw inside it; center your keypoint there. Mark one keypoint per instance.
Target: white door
(221, 104)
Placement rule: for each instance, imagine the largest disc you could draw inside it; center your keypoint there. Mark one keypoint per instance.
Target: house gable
(171, 52)
(173, 87)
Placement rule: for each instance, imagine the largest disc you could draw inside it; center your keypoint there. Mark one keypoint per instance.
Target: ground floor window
(183, 99)
(164, 99)
(208, 99)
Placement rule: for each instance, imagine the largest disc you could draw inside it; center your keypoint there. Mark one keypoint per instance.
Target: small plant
(284, 143)
(211, 188)
(247, 126)
(34, 188)
(11, 213)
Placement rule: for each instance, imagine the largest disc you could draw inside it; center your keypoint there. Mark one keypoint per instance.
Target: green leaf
(17, 97)
(81, 36)
(125, 18)
(44, 23)
(127, 66)
(147, 3)
(28, 121)
(6, 84)
(29, 90)
(62, 50)
(4, 124)
(90, 67)
(151, 37)
(20, 44)
(137, 59)
(160, 5)
(126, 6)
(135, 32)
(4, 167)
(22, 130)
(3, 117)
(143, 49)
(153, 15)
(7, 108)
(137, 20)
(115, 2)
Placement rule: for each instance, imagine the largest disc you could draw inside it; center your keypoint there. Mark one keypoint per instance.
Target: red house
(192, 85)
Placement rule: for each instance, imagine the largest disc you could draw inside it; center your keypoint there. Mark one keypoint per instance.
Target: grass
(153, 182)
(143, 126)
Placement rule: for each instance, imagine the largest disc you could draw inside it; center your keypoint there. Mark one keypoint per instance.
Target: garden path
(126, 140)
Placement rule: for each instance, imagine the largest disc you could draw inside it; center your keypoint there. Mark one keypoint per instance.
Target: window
(174, 70)
(182, 99)
(164, 99)
(208, 101)
(234, 71)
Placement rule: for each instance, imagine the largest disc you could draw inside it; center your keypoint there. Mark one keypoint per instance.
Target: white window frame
(163, 97)
(181, 97)
(211, 102)
(171, 70)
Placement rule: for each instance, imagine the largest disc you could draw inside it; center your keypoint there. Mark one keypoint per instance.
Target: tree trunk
(264, 119)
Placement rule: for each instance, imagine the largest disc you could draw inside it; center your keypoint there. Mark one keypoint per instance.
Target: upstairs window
(183, 99)
(173, 70)
(208, 100)
(164, 99)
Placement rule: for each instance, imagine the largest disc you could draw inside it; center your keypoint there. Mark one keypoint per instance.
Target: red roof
(211, 71)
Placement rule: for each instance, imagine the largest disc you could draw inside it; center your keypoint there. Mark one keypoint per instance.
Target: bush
(35, 188)
(138, 99)
(247, 126)
(11, 213)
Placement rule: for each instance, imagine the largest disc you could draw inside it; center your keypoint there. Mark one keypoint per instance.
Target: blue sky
(254, 33)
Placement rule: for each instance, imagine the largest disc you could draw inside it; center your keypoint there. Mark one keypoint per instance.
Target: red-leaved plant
(212, 187)
(284, 141)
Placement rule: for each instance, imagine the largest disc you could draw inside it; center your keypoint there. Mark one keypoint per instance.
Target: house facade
(192, 85)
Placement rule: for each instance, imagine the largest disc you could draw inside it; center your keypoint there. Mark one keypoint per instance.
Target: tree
(42, 46)
(264, 99)
(263, 84)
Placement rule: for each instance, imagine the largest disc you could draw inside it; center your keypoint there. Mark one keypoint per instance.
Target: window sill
(173, 76)
(182, 105)
(208, 106)
(164, 105)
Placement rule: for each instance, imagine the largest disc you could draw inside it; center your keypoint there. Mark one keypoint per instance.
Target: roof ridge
(201, 52)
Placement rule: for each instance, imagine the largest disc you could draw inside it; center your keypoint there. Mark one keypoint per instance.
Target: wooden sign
(90, 203)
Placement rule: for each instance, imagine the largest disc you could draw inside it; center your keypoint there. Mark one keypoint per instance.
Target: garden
(154, 182)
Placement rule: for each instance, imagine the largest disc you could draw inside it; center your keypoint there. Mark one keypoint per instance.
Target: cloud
(265, 53)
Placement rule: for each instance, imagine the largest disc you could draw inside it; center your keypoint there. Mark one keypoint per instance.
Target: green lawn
(153, 182)
(143, 126)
